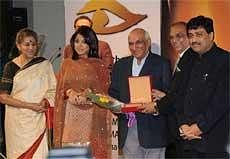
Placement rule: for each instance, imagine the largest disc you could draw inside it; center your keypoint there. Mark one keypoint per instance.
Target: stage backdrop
(114, 19)
(183, 10)
(218, 10)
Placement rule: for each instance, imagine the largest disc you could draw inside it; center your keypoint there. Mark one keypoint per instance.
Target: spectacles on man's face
(137, 43)
(178, 36)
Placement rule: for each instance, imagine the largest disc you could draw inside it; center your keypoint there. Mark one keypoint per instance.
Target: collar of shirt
(136, 69)
(177, 61)
(181, 54)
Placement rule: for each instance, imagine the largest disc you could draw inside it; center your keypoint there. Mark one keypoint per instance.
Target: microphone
(41, 43)
(55, 54)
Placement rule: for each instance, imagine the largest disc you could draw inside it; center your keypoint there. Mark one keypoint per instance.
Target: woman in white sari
(27, 88)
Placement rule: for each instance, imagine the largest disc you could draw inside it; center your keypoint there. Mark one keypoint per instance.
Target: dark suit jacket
(152, 130)
(206, 101)
(166, 105)
(178, 84)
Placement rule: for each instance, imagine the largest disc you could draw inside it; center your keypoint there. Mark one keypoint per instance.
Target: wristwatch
(156, 108)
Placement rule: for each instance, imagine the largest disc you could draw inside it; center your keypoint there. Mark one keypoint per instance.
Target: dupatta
(83, 124)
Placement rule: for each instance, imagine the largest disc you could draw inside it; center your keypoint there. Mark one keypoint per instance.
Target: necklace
(20, 61)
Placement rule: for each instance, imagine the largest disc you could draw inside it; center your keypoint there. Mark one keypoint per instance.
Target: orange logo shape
(100, 18)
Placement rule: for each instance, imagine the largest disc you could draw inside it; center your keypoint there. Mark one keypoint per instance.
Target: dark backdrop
(11, 20)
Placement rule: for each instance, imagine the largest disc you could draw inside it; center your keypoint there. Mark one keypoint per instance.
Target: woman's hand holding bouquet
(87, 96)
(77, 98)
(105, 101)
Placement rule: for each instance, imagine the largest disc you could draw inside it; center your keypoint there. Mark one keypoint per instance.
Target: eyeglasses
(177, 36)
(137, 43)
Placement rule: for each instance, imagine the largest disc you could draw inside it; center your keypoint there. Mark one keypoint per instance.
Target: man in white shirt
(140, 134)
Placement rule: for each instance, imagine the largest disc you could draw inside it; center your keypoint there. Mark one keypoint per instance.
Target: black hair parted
(90, 38)
(201, 21)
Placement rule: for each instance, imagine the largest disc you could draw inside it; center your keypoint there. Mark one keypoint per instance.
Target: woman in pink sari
(27, 88)
(76, 121)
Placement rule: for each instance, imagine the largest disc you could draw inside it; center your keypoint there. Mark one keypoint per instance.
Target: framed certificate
(140, 89)
(140, 92)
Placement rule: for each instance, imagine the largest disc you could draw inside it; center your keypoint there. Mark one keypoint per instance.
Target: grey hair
(146, 35)
(148, 38)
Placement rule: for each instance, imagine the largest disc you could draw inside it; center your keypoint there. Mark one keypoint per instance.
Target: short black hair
(82, 17)
(201, 21)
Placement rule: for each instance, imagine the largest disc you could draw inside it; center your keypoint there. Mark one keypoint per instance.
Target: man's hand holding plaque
(148, 108)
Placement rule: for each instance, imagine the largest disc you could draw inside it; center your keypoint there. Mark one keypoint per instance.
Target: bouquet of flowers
(104, 101)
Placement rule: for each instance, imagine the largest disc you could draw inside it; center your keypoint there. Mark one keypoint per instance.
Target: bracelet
(67, 93)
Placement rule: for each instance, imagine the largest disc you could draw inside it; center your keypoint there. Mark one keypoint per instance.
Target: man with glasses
(146, 136)
(178, 39)
(104, 49)
(165, 100)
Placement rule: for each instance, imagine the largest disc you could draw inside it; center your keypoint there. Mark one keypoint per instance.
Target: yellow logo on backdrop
(100, 18)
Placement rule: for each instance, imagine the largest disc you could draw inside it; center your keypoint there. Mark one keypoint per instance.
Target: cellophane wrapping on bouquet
(104, 101)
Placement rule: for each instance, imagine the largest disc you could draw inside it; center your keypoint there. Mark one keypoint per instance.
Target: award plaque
(140, 92)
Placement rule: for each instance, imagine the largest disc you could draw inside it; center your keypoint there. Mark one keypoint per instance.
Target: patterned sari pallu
(25, 129)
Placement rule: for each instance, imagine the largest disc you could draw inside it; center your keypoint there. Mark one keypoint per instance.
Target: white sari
(24, 126)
